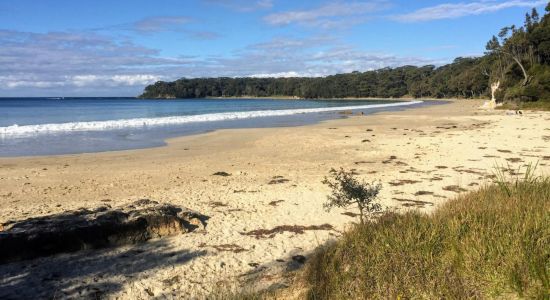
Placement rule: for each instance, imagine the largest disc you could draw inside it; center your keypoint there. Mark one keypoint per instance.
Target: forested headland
(517, 58)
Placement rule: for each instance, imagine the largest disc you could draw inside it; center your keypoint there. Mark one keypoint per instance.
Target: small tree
(348, 190)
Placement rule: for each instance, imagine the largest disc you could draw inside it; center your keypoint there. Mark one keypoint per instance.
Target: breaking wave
(25, 130)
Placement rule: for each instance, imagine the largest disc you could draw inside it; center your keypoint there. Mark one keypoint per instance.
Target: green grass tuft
(491, 243)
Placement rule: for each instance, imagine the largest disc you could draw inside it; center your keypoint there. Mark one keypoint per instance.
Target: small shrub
(348, 190)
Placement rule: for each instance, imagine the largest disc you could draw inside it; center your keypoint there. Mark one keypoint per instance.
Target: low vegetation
(491, 243)
(536, 105)
(347, 190)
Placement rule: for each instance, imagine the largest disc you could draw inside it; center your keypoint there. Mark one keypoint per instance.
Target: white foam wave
(25, 130)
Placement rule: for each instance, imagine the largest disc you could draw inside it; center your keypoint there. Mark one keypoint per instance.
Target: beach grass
(494, 242)
(536, 105)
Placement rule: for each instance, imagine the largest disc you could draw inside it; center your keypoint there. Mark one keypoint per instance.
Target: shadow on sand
(89, 274)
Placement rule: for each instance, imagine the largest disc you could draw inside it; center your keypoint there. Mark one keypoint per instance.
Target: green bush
(347, 190)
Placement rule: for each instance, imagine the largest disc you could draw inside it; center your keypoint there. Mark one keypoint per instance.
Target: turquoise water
(48, 126)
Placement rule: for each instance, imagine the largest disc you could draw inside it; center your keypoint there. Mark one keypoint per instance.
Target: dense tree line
(427, 81)
(519, 58)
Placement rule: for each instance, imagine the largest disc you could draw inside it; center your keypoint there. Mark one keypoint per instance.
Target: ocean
(52, 126)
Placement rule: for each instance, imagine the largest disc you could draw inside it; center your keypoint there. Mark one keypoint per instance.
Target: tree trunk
(361, 213)
(494, 89)
(525, 76)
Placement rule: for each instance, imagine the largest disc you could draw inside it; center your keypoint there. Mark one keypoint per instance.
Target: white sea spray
(29, 130)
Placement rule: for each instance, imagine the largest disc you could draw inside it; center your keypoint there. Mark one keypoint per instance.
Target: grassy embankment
(492, 243)
(485, 244)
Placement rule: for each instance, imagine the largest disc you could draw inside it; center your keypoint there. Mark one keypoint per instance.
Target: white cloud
(68, 62)
(243, 5)
(89, 80)
(83, 80)
(334, 14)
(157, 24)
(288, 74)
(453, 11)
(316, 56)
(16, 82)
(136, 79)
(112, 80)
(264, 3)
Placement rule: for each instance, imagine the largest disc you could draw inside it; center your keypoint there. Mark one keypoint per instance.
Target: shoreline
(332, 99)
(291, 117)
(317, 123)
(423, 156)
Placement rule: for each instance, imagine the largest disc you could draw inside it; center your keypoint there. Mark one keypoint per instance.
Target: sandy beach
(422, 156)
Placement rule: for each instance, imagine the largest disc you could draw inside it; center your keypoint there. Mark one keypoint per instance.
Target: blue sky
(115, 48)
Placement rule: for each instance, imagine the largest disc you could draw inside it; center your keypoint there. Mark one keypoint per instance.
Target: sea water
(50, 126)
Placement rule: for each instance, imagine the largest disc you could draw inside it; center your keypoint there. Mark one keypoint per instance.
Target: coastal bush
(347, 190)
(491, 243)
(537, 90)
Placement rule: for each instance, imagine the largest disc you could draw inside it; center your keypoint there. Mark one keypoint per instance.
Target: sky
(115, 48)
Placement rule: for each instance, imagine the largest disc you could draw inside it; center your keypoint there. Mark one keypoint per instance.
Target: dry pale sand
(422, 156)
